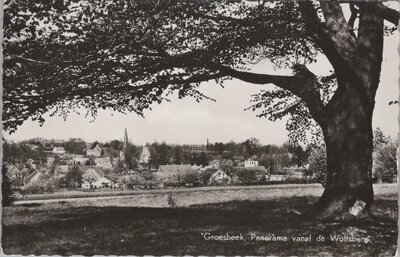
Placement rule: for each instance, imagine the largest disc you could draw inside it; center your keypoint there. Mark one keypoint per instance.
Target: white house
(94, 178)
(59, 150)
(79, 159)
(145, 155)
(250, 163)
(101, 182)
(96, 151)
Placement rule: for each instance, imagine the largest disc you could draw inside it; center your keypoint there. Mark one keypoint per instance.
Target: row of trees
(161, 153)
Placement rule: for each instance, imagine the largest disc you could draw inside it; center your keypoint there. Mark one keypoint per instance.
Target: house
(92, 169)
(145, 155)
(226, 162)
(215, 164)
(32, 178)
(15, 176)
(100, 182)
(250, 163)
(96, 151)
(92, 177)
(13, 171)
(59, 150)
(79, 159)
(219, 177)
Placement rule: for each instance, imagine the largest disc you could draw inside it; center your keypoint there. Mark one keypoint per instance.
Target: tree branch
(322, 37)
(303, 84)
(368, 57)
(387, 13)
(338, 29)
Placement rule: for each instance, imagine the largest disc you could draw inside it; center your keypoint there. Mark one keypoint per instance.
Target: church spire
(126, 140)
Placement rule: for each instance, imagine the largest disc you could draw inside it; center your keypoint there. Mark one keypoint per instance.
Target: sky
(184, 121)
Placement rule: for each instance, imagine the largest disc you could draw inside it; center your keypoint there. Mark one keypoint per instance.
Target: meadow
(178, 227)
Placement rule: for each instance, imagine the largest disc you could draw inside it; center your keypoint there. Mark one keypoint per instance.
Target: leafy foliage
(317, 169)
(73, 178)
(385, 157)
(277, 104)
(125, 55)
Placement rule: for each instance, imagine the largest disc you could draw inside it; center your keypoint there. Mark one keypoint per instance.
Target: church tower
(126, 141)
(125, 147)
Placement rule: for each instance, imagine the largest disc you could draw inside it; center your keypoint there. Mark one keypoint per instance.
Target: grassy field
(63, 229)
(68, 194)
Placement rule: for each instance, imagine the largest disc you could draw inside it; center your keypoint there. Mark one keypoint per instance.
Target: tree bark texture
(348, 137)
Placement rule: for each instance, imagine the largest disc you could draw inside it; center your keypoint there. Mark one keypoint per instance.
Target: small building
(15, 176)
(92, 177)
(145, 155)
(226, 162)
(32, 178)
(59, 150)
(96, 151)
(100, 182)
(215, 164)
(250, 163)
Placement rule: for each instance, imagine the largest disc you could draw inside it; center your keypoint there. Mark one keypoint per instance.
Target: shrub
(41, 187)
(145, 180)
(317, 165)
(189, 178)
(250, 176)
(386, 158)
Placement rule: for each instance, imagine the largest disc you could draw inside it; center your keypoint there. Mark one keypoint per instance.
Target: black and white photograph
(200, 127)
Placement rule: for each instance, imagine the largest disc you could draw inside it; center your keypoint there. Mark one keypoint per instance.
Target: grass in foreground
(66, 230)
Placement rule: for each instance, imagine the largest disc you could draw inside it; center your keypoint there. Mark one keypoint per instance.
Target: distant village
(46, 166)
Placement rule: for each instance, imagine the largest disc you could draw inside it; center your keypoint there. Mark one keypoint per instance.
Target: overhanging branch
(303, 84)
(387, 13)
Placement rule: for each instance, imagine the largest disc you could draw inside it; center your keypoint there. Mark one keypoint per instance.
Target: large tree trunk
(348, 137)
(348, 122)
